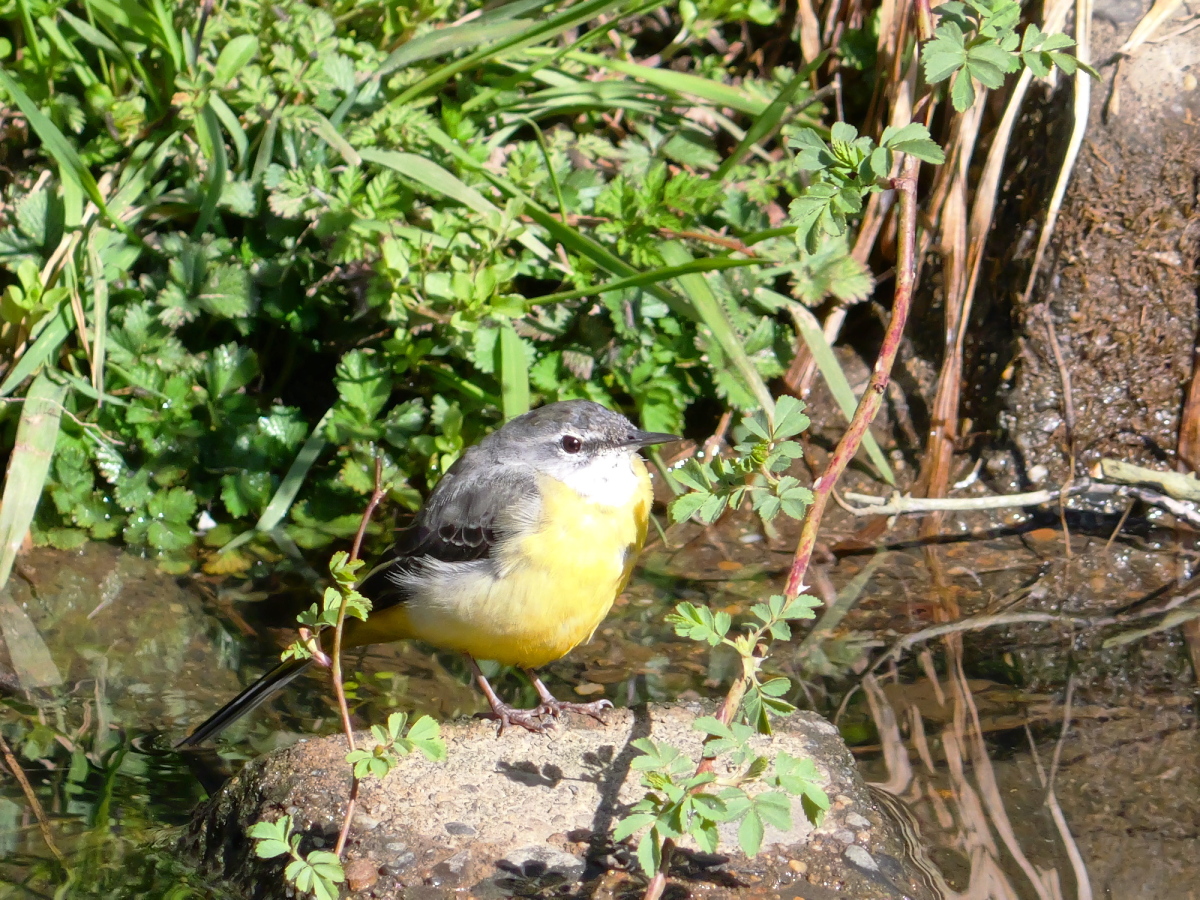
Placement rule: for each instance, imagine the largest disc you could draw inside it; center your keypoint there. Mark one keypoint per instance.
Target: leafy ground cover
(256, 245)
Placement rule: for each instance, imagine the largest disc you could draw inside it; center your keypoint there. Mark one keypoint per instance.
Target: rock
(529, 814)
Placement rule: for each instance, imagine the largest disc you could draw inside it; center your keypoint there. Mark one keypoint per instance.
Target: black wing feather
(473, 509)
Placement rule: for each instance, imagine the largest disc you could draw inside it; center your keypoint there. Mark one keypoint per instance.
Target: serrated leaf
(750, 834)
(684, 507)
(914, 140)
(630, 825)
(945, 54)
(649, 852)
(962, 94)
(775, 809)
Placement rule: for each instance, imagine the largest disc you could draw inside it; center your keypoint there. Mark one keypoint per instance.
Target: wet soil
(1118, 290)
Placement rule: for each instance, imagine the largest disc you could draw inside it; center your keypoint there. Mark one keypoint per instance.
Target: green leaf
(236, 54)
(750, 833)
(945, 54)
(514, 372)
(775, 809)
(790, 419)
(230, 367)
(630, 825)
(649, 852)
(363, 383)
(914, 140)
(685, 506)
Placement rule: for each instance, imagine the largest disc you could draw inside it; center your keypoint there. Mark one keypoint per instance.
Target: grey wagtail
(516, 556)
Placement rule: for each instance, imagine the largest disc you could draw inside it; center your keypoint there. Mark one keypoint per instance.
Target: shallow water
(143, 658)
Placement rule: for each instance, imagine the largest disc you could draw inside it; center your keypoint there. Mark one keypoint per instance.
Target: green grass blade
(28, 466)
(233, 128)
(765, 123)
(99, 317)
(714, 92)
(536, 31)
(92, 34)
(169, 38)
(208, 136)
(286, 493)
(33, 43)
(713, 315)
(572, 239)
(41, 350)
(84, 387)
(653, 276)
(324, 129)
(514, 373)
(266, 148)
(437, 179)
(70, 166)
(814, 338)
(445, 41)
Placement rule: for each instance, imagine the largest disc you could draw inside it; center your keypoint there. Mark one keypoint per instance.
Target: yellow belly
(550, 590)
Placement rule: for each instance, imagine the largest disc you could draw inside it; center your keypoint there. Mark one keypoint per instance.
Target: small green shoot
(316, 619)
(318, 873)
(392, 743)
(977, 41)
(754, 473)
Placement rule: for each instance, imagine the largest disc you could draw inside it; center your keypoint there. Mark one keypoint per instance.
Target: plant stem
(654, 890)
(18, 773)
(872, 399)
(335, 668)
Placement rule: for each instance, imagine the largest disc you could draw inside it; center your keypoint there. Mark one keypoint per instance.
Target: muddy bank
(1118, 288)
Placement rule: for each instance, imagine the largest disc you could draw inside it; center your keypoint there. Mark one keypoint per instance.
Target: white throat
(608, 480)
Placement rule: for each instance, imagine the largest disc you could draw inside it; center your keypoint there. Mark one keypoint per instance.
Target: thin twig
(868, 406)
(31, 798)
(897, 505)
(335, 667)
(1064, 375)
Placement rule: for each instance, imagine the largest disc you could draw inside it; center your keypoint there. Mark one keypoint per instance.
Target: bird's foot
(530, 719)
(552, 707)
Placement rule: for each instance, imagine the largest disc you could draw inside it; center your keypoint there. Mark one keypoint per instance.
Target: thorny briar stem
(335, 668)
(868, 406)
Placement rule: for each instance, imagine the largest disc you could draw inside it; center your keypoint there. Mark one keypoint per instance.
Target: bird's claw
(556, 708)
(506, 716)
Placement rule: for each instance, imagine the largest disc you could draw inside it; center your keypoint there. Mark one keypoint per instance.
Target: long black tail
(247, 700)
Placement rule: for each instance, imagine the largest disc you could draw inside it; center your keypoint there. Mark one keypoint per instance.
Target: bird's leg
(554, 707)
(529, 719)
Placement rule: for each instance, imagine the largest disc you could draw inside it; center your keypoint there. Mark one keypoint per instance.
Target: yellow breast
(550, 588)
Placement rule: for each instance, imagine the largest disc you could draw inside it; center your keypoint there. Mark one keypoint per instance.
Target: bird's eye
(571, 444)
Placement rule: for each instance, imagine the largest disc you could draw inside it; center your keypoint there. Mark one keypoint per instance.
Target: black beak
(646, 438)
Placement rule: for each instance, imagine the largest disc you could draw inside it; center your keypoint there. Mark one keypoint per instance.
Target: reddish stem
(335, 668)
(872, 399)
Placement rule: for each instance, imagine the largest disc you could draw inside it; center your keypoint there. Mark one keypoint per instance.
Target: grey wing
(473, 509)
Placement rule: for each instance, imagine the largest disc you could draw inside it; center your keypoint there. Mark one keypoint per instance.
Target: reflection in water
(139, 653)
